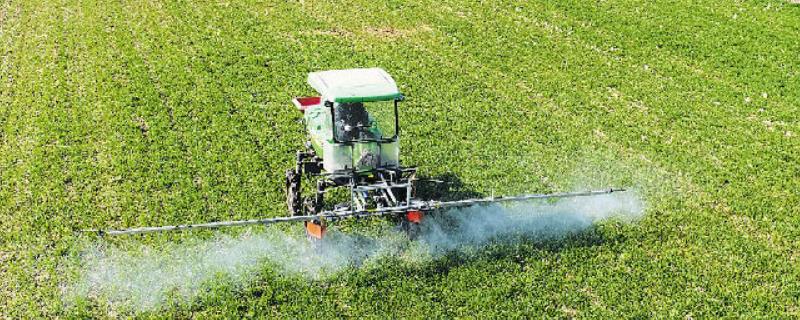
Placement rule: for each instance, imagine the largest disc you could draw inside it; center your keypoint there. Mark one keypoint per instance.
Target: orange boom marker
(315, 230)
(353, 143)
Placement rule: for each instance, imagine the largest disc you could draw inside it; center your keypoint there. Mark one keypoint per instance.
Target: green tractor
(354, 135)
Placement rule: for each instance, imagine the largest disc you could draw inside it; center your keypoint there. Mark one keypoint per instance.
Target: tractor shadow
(496, 257)
(512, 251)
(444, 187)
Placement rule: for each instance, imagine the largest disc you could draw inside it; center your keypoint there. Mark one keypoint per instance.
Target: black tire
(293, 199)
(412, 229)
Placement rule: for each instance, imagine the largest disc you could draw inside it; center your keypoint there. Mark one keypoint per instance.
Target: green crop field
(146, 112)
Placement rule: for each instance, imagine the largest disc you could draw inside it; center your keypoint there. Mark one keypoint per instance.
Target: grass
(134, 113)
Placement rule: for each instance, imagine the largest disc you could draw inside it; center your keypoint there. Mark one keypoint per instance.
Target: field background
(128, 113)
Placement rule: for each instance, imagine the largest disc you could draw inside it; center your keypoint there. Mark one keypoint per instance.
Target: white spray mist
(475, 226)
(144, 279)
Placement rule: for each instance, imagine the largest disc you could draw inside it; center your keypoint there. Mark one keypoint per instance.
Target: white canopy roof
(354, 85)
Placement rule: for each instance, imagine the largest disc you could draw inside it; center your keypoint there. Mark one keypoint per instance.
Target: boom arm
(335, 215)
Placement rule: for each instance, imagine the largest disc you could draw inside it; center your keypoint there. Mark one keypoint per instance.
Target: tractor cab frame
(353, 142)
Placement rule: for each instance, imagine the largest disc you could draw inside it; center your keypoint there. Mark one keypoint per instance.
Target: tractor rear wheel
(293, 199)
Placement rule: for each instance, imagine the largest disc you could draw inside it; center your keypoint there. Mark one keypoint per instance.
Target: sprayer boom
(414, 206)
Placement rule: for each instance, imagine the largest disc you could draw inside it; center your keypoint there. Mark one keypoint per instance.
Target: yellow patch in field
(390, 33)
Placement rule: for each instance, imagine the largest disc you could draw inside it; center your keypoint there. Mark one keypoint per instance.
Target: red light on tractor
(414, 216)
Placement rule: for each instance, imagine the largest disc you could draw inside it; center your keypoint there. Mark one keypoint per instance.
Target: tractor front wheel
(293, 200)
(411, 229)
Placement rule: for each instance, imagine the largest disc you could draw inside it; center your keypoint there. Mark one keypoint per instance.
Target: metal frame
(330, 106)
